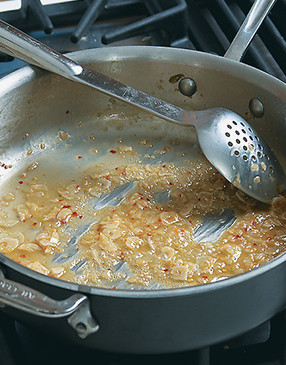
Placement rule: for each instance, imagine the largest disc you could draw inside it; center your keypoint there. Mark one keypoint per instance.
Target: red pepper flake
(79, 157)
(114, 210)
(74, 214)
(123, 173)
(66, 206)
(116, 168)
(170, 183)
(165, 270)
(114, 287)
(204, 277)
(199, 199)
(164, 166)
(148, 234)
(238, 236)
(21, 182)
(77, 248)
(182, 230)
(80, 216)
(134, 204)
(67, 111)
(107, 177)
(191, 222)
(113, 151)
(146, 206)
(34, 224)
(255, 244)
(77, 187)
(23, 256)
(147, 199)
(159, 220)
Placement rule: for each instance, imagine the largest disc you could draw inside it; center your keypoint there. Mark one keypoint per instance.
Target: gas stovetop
(203, 25)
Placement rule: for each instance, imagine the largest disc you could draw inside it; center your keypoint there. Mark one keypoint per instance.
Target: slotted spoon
(231, 145)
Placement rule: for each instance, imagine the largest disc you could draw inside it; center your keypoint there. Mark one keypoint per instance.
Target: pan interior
(35, 130)
(65, 154)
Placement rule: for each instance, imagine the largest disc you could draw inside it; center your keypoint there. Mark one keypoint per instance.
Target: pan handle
(26, 299)
(248, 29)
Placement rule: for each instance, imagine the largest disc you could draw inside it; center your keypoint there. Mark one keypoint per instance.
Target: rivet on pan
(256, 107)
(187, 86)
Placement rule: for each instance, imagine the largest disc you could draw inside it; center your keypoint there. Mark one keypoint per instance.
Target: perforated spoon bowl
(226, 139)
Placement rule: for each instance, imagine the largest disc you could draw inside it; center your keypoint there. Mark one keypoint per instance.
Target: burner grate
(158, 15)
(96, 23)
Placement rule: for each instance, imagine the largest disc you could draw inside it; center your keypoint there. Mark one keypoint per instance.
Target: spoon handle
(248, 29)
(20, 45)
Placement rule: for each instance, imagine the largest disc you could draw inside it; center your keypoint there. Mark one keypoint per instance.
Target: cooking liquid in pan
(43, 205)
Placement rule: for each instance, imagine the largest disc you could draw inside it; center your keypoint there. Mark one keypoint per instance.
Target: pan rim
(162, 54)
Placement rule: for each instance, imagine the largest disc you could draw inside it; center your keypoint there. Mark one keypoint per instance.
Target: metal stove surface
(205, 25)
